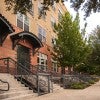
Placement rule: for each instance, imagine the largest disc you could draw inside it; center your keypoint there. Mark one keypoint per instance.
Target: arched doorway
(23, 52)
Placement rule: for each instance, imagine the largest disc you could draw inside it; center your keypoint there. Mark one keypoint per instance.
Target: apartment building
(30, 38)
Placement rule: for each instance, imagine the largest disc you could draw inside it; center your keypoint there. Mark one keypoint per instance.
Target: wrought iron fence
(38, 82)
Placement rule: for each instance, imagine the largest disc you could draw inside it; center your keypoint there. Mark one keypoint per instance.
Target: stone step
(13, 94)
(56, 87)
(5, 75)
(12, 85)
(16, 89)
(21, 97)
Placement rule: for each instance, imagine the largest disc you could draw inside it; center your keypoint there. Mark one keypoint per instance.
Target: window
(41, 11)
(53, 22)
(23, 22)
(26, 23)
(59, 15)
(41, 34)
(54, 6)
(20, 20)
(54, 66)
(42, 61)
(32, 9)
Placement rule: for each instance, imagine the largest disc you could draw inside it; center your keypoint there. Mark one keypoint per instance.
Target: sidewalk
(90, 93)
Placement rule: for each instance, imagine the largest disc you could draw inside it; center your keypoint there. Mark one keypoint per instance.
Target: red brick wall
(45, 51)
(7, 51)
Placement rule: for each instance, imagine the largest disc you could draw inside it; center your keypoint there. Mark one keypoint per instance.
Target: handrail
(31, 67)
(27, 73)
(36, 67)
(7, 84)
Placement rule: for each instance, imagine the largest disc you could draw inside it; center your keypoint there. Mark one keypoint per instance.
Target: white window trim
(42, 34)
(53, 20)
(53, 61)
(23, 21)
(44, 57)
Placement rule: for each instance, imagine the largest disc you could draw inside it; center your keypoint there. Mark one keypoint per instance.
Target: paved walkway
(90, 93)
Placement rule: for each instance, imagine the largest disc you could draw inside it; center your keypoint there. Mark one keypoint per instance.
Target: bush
(78, 85)
(91, 81)
(79, 82)
(96, 79)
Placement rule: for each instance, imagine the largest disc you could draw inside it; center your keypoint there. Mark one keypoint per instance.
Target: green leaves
(88, 6)
(21, 6)
(95, 56)
(70, 46)
(24, 6)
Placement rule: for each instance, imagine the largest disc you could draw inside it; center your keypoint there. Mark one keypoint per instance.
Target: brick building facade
(28, 37)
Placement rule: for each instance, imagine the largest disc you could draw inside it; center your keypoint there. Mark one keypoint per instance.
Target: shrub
(96, 79)
(79, 82)
(91, 81)
(78, 85)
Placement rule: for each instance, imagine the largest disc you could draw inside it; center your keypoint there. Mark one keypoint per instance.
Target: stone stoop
(57, 87)
(17, 90)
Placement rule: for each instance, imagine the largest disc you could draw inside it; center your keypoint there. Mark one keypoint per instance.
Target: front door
(23, 57)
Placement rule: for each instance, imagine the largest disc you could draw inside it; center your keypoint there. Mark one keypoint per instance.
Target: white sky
(92, 21)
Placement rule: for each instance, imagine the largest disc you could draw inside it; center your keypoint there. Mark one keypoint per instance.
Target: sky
(92, 21)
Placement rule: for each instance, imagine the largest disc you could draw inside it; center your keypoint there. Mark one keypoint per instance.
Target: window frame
(54, 6)
(59, 14)
(40, 10)
(42, 33)
(42, 61)
(31, 11)
(54, 66)
(23, 21)
(53, 21)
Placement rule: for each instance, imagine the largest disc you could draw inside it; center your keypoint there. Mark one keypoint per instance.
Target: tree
(21, 6)
(92, 64)
(88, 6)
(70, 48)
(95, 56)
(24, 6)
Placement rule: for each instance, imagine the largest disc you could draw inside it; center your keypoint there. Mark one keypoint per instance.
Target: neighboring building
(30, 38)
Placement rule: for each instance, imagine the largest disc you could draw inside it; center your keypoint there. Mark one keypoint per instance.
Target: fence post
(15, 71)
(52, 84)
(21, 74)
(63, 81)
(38, 84)
(48, 83)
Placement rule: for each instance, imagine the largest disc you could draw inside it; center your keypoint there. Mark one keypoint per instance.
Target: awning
(4, 24)
(33, 39)
(5, 28)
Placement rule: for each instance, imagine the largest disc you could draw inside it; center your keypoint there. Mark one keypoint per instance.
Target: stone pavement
(90, 93)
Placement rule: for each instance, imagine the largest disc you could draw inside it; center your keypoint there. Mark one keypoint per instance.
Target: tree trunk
(62, 70)
(69, 70)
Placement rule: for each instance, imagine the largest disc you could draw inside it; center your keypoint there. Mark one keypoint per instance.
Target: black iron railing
(38, 68)
(4, 82)
(40, 83)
